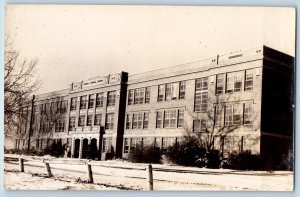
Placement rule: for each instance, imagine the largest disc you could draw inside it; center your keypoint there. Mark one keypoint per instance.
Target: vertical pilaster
(80, 148)
(73, 148)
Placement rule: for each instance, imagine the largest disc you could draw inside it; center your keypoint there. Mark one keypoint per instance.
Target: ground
(121, 175)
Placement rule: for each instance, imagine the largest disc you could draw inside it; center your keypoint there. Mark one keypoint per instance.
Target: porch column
(73, 148)
(80, 148)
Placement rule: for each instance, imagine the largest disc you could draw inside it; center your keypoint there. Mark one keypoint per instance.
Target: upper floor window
(107, 144)
(89, 120)
(161, 93)
(109, 123)
(81, 121)
(202, 84)
(182, 90)
(199, 125)
(247, 113)
(248, 80)
(99, 100)
(171, 91)
(98, 119)
(128, 121)
(71, 123)
(218, 116)
(220, 84)
(171, 118)
(137, 120)
(159, 117)
(147, 95)
(139, 96)
(232, 115)
(73, 104)
(130, 97)
(111, 98)
(180, 122)
(83, 101)
(91, 101)
(146, 120)
(234, 82)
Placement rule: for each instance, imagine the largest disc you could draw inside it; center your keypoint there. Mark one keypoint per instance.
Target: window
(180, 122)
(238, 82)
(199, 125)
(171, 91)
(98, 119)
(170, 119)
(109, 121)
(73, 104)
(202, 84)
(220, 84)
(130, 97)
(234, 82)
(137, 121)
(201, 94)
(63, 108)
(111, 98)
(60, 126)
(91, 101)
(248, 80)
(139, 96)
(201, 99)
(147, 95)
(83, 101)
(159, 119)
(126, 145)
(157, 142)
(81, 121)
(89, 121)
(218, 116)
(135, 142)
(161, 93)
(146, 120)
(166, 142)
(182, 90)
(71, 123)
(128, 121)
(247, 113)
(99, 100)
(232, 115)
(106, 144)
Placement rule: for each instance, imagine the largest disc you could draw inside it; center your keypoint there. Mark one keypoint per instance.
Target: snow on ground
(124, 175)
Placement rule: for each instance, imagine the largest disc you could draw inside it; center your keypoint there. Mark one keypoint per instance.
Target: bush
(186, 153)
(145, 154)
(244, 161)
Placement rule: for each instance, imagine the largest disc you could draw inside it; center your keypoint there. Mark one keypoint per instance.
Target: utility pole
(31, 121)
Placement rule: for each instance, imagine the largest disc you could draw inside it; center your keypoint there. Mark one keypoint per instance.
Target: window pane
(182, 90)
(180, 122)
(161, 92)
(248, 80)
(83, 101)
(147, 97)
(130, 97)
(99, 100)
(159, 119)
(111, 98)
(220, 84)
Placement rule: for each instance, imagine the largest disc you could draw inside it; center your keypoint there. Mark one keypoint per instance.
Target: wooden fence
(148, 170)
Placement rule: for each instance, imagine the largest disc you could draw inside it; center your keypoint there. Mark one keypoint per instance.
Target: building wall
(117, 141)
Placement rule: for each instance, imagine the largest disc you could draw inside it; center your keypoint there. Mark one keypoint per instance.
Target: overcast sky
(76, 43)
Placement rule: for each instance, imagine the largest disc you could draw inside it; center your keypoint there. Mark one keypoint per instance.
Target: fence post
(48, 170)
(90, 173)
(149, 177)
(21, 164)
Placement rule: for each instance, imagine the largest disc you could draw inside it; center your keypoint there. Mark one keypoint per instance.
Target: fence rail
(21, 159)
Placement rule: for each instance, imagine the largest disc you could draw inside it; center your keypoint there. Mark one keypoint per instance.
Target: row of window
(139, 96)
(137, 120)
(89, 101)
(171, 91)
(88, 121)
(159, 142)
(227, 115)
(171, 118)
(55, 107)
(233, 82)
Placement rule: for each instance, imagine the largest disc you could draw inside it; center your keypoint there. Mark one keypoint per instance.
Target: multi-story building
(242, 101)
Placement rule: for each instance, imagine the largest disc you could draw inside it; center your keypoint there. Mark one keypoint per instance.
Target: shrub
(145, 154)
(244, 161)
(186, 153)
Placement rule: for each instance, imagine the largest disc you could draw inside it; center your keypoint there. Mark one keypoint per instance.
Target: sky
(78, 42)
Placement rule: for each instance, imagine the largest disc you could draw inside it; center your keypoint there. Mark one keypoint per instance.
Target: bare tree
(20, 81)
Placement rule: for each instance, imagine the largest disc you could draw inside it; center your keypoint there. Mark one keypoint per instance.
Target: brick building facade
(235, 102)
